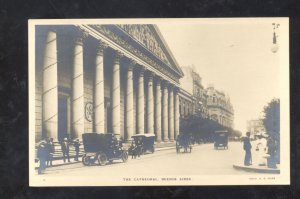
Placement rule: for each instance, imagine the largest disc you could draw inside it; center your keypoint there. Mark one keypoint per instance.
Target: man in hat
(42, 156)
(65, 147)
(247, 148)
(76, 146)
(51, 150)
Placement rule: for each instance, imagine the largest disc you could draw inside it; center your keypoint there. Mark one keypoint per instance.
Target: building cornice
(111, 35)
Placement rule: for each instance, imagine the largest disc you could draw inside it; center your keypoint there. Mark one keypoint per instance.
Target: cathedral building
(120, 79)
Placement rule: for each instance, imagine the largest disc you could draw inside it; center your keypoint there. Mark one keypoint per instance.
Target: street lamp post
(275, 46)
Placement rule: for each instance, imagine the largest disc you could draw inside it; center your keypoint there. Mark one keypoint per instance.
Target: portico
(118, 79)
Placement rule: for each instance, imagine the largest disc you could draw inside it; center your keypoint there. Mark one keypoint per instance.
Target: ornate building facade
(191, 85)
(219, 107)
(186, 104)
(121, 79)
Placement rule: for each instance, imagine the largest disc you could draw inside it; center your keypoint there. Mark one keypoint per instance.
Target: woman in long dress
(261, 148)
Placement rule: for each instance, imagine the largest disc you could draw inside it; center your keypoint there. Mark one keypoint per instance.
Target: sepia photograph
(143, 102)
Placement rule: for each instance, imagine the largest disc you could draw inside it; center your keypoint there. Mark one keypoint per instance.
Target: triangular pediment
(150, 38)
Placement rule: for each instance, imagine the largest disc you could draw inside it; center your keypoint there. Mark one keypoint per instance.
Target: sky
(234, 57)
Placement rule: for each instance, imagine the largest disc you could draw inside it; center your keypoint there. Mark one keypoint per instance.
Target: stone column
(171, 114)
(158, 110)
(99, 90)
(129, 101)
(176, 112)
(140, 103)
(50, 105)
(115, 94)
(165, 129)
(77, 89)
(150, 104)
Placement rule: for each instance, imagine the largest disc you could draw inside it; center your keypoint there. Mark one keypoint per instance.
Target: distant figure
(261, 148)
(76, 146)
(139, 145)
(42, 155)
(133, 150)
(51, 150)
(247, 148)
(65, 147)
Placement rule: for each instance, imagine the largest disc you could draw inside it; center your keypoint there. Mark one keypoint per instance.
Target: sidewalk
(59, 161)
(257, 169)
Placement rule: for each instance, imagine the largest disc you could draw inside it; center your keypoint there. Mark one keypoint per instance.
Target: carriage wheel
(102, 159)
(86, 160)
(124, 156)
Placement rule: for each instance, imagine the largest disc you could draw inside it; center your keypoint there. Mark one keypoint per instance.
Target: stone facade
(118, 79)
(219, 107)
(191, 83)
(205, 102)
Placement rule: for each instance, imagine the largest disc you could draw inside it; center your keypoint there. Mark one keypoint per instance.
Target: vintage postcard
(140, 102)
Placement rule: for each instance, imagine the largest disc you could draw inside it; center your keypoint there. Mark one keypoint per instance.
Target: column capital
(141, 70)
(150, 75)
(158, 79)
(165, 84)
(176, 89)
(117, 56)
(171, 86)
(101, 47)
(80, 36)
(131, 64)
(51, 29)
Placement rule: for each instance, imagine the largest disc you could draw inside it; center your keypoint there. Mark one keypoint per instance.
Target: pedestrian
(133, 150)
(65, 147)
(247, 147)
(42, 156)
(76, 146)
(50, 151)
(139, 145)
(261, 148)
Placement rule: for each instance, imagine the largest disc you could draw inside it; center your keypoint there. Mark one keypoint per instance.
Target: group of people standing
(266, 149)
(46, 150)
(135, 148)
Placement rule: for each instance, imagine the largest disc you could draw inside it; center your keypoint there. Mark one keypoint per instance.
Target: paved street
(203, 160)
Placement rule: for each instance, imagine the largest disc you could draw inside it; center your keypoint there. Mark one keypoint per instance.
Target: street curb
(69, 163)
(165, 148)
(256, 169)
(61, 164)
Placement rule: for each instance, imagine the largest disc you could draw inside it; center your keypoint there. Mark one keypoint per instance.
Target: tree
(271, 118)
(271, 122)
(203, 128)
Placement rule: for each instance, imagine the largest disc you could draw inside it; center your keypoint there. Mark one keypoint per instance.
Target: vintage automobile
(144, 142)
(221, 139)
(184, 141)
(102, 148)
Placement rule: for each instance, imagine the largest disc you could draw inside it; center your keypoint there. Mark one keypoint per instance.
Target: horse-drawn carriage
(141, 144)
(221, 139)
(184, 141)
(102, 148)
